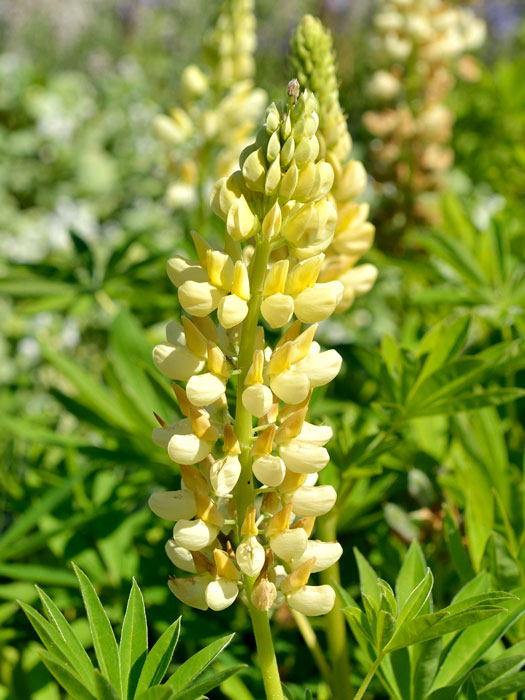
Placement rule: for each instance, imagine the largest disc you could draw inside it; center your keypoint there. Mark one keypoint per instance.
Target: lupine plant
(248, 499)
(219, 109)
(418, 48)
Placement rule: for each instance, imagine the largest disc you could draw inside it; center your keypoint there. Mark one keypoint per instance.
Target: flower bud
(173, 130)
(312, 600)
(204, 389)
(272, 118)
(269, 469)
(271, 224)
(194, 534)
(263, 595)
(181, 557)
(352, 182)
(173, 505)
(254, 170)
(313, 501)
(199, 298)
(220, 594)
(318, 302)
(302, 457)
(224, 474)
(324, 553)
(289, 182)
(289, 544)
(257, 399)
(194, 82)
(191, 591)
(273, 178)
(176, 361)
(241, 222)
(232, 311)
(250, 556)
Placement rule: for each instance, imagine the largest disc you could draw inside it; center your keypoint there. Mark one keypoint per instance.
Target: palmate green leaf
(156, 692)
(76, 654)
(35, 512)
(441, 344)
(92, 393)
(65, 677)
(474, 642)
(411, 573)
(414, 631)
(368, 579)
(458, 554)
(426, 667)
(133, 642)
(455, 254)
(472, 401)
(492, 673)
(104, 642)
(479, 519)
(37, 573)
(197, 664)
(416, 599)
(49, 636)
(505, 688)
(207, 683)
(159, 658)
(104, 689)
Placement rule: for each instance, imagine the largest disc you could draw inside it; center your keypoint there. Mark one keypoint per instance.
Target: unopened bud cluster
(220, 107)
(419, 47)
(249, 459)
(314, 60)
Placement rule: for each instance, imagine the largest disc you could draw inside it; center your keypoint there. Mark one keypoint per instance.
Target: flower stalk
(248, 499)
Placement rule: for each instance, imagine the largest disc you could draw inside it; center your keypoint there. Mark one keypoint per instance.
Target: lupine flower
(314, 60)
(219, 110)
(246, 507)
(418, 49)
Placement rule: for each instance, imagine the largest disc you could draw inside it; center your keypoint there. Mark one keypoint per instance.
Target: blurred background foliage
(84, 235)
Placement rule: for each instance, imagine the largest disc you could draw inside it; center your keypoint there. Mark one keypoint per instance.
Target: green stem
(371, 673)
(311, 641)
(244, 491)
(335, 624)
(266, 653)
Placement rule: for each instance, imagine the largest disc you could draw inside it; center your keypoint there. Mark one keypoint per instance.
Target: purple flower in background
(504, 18)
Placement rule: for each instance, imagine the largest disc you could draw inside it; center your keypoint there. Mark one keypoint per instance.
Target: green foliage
(418, 653)
(126, 670)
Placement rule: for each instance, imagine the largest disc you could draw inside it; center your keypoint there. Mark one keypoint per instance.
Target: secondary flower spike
(314, 60)
(245, 509)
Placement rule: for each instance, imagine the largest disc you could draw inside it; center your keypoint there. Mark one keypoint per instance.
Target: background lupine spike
(314, 59)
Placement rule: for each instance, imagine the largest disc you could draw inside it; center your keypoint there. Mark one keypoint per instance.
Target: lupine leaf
(197, 664)
(411, 573)
(368, 578)
(416, 599)
(491, 673)
(77, 654)
(159, 658)
(104, 640)
(104, 689)
(474, 642)
(156, 692)
(133, 642)
(65, 677)
(49, 636)
(43, 505)
(207, 683)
